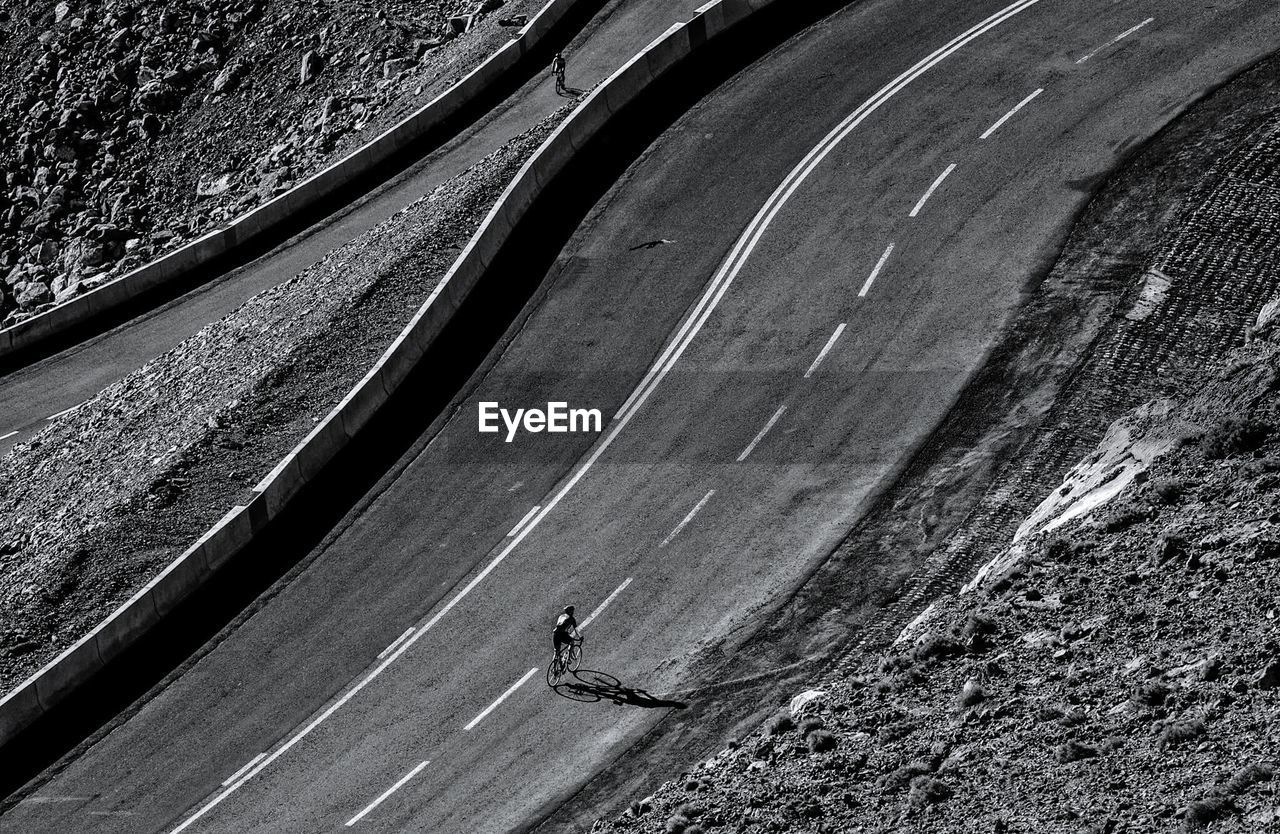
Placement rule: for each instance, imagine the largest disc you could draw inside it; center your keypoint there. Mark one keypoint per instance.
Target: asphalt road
(796, 370)
(33, 394)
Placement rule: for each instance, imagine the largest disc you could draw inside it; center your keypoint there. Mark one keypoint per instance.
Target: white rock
(806, 701)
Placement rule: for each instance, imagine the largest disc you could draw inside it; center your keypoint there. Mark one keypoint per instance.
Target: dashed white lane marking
(697, 508)
(504, 696)
(924, 198)
(607, 600)
(871, 279)
(1126, 33)
(524, 520)
(1007, 116)
(392, 647)
(9, 435)
(750, 238)
(752, 445)
(825, 350)
(397, 786)
(702, 311)
(250, 764)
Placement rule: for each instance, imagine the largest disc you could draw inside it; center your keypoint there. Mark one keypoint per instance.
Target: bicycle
(566, 660)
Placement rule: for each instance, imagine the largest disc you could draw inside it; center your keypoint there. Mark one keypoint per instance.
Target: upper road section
(29, 396)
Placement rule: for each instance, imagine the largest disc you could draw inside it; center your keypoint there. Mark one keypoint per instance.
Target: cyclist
(566, 629)
(557, 69)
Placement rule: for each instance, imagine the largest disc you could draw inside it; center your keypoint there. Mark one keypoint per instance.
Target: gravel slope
(93, 506)
(132, 128)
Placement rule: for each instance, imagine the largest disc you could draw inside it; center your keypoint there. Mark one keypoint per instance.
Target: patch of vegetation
(1202, 812)
(1168, 490)
(1234, 436)
(821, 741)
(780, 724)
(1175, 733)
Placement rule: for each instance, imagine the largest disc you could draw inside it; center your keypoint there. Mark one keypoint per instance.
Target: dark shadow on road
(590, 686)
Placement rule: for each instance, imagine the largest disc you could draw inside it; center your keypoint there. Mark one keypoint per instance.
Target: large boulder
(807, 702)
(393, 67)
(228, 78)
(157, 97)
(32, 294)
(310, 67)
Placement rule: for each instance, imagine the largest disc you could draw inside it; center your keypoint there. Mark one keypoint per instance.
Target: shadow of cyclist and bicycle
(589, 686)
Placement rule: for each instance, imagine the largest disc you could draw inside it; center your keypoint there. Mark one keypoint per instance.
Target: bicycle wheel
(574, 659)
(555, 672)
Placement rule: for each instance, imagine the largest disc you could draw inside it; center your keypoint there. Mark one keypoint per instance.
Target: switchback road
(775, 305)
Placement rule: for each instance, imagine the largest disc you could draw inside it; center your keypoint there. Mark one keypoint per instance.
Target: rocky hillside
(1116, 670)
(132, 127)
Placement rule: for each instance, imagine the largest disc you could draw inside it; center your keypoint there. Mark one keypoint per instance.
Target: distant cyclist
(566, 629)
(558, 66)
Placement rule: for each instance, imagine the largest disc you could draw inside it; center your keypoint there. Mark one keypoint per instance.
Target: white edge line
(397, 642)
(504, 696)
(751, 447)
(397, 786)
(524, 520)
(1007, 116)
(9, 435)
(866, 287)
(248, 765)
(602, 606)
(719, 286)
(696, 509)
(64, 411)
(825, 350)
(925, 197)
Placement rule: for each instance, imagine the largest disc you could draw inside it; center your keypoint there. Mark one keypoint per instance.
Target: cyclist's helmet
(568, 609)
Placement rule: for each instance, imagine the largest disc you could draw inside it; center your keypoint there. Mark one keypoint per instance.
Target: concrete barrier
(76, 666)
(336, 177)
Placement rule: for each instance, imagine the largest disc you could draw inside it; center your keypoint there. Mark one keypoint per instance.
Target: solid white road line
(866, 287)
(752, 445)
(523, 521)
(504, 696)
(711, 297)
(1007, 116)
(64, 411)
(397, 786)
(925, 197)
(602, 606)
(250, 764)
(825, 350)
(397, 642)
(1126, 33)
(9, 435)
(685, 523)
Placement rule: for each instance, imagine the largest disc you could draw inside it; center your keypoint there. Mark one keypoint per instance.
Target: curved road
(796, 364)
(35, 393)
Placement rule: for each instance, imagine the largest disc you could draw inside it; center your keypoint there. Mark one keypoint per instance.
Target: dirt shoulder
(135, 128)
(98, 502)
(1120, 673)
(1160, 278)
